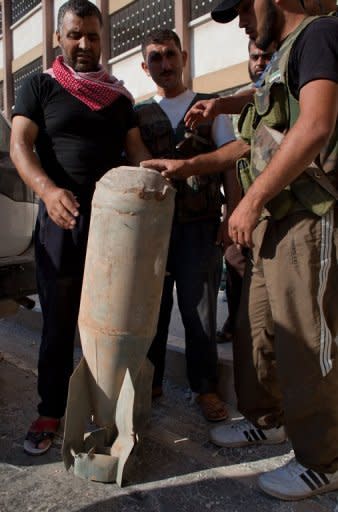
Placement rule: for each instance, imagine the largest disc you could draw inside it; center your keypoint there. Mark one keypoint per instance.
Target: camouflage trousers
(285, 352)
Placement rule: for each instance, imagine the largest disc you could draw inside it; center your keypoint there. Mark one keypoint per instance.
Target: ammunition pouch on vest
(198, 197)
(280, 205)
(275, 107)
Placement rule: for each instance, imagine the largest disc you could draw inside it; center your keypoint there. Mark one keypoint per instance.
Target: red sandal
(43, 431)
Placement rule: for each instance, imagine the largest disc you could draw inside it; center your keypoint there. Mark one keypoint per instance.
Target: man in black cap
(285, 355)
(227, 11)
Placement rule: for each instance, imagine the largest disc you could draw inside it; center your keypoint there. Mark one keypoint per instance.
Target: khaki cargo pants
(285, 353)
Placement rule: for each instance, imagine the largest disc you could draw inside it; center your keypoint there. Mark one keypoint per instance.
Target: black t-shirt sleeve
(131, 116)
(314, 55)
(28, 102)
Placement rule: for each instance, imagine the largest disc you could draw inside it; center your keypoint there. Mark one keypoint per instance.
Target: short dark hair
(81, 8)
(160, 36)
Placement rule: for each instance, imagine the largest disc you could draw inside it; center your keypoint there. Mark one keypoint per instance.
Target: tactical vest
(198, 197)
(276, 107)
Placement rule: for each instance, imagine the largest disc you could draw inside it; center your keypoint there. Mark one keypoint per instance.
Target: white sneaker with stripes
(295, 482)
(243, 433)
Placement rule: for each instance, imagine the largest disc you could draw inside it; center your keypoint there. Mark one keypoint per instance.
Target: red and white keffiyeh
(97, 89)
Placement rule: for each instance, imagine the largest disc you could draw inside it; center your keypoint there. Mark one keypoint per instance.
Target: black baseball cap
(225, 11)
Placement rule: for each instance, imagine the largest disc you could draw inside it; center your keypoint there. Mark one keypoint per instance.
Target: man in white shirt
(194, 259)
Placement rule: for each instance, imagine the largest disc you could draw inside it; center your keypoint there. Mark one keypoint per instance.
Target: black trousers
(194, 264)
(60, 256)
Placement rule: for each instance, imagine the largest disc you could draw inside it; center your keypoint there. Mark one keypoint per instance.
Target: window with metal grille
(19, 76)
(21, 7)
(129, 25)
(200, 7)
(1, 96)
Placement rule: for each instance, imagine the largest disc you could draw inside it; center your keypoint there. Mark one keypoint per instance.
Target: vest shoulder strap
(285, 49)
(283, 64)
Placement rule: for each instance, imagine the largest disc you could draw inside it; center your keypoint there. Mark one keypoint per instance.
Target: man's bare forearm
(217, 161)
(135, 148)
(235, 104)
(29, 168)
(209, 109)
(62, 206)
(208, 163)
(232, 190)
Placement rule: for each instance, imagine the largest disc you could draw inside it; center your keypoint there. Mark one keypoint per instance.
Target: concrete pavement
(173, 469)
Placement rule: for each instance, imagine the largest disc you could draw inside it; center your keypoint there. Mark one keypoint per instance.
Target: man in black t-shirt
(285, 355)
(208, 109)
(80, 120)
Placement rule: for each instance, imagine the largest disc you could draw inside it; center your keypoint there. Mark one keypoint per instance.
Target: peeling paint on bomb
(121, 295)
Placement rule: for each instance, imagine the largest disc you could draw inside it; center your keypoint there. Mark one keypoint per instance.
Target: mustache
(84, 53)
(166, 73)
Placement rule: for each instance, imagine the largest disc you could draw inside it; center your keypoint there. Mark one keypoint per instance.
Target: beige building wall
(1, 54)
(116, 5)
(128, 68)
(27, 58)
(215, 47)
(27, 33)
